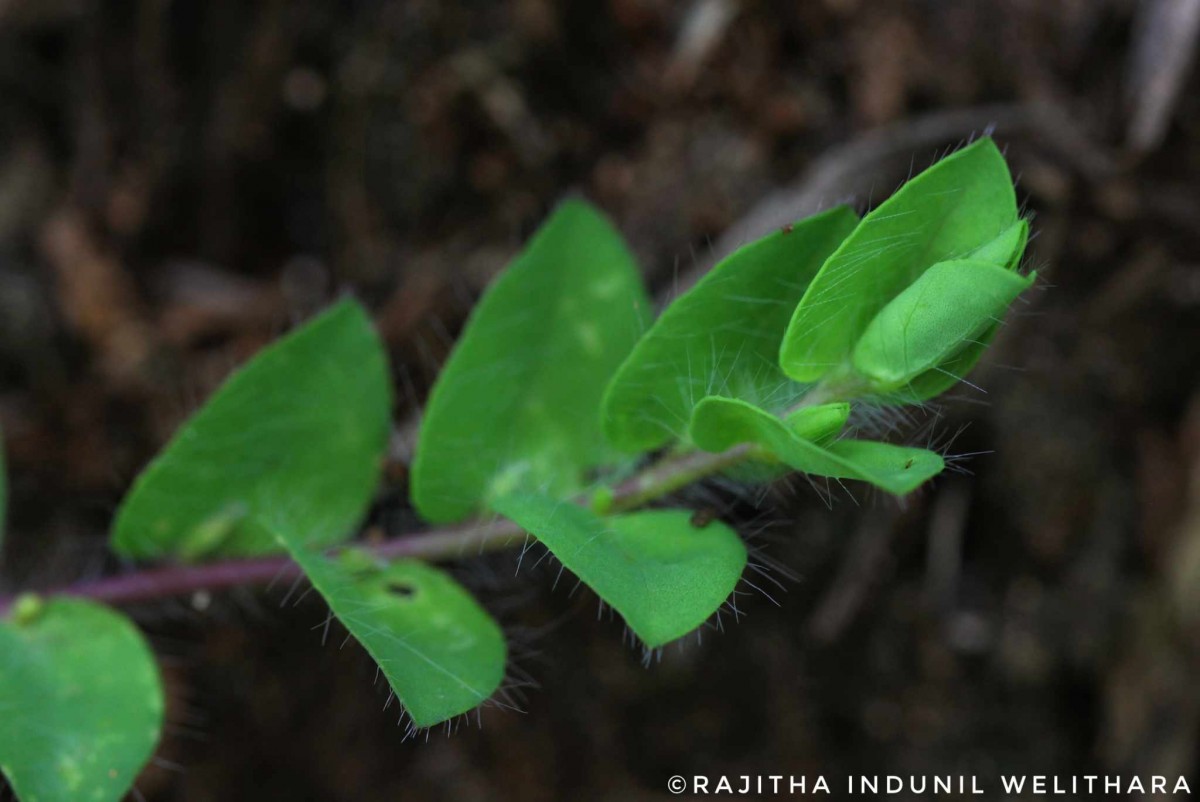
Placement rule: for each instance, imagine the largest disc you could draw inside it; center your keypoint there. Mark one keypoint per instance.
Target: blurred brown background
(181, 180)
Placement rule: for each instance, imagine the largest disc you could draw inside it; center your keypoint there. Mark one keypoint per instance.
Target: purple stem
(166, 581)
(180, 580)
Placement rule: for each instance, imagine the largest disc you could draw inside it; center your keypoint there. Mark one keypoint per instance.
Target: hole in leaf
(402, 589)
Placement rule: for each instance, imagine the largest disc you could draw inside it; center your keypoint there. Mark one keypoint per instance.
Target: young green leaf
(721, 423)
(819, 423)
(664, 575)
(933, 319)
(1006, 250)
(295, 438)
(951, 209)
(81, 701)
(722, 336)
(1007, 247)
(441, 652)
(517, 406)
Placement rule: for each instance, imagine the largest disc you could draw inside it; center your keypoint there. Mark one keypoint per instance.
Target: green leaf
(1006, 250)
(661, 573)
(946, 212)
(80, 699)
(818, 423)
(722, 336)
(517, 406)
(945, 310)
(441, 652)
(721, 423)
(294, 439)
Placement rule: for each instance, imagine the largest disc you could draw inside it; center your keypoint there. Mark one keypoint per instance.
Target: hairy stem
(656, 481)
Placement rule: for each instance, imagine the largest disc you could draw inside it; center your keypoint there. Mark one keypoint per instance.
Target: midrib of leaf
(403, 642)
(370, 625)
(528, 424)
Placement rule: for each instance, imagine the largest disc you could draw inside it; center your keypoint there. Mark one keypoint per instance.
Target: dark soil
(180, 181)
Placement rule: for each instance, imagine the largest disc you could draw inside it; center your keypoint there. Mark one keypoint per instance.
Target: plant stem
(659, 479)
(656, 481)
